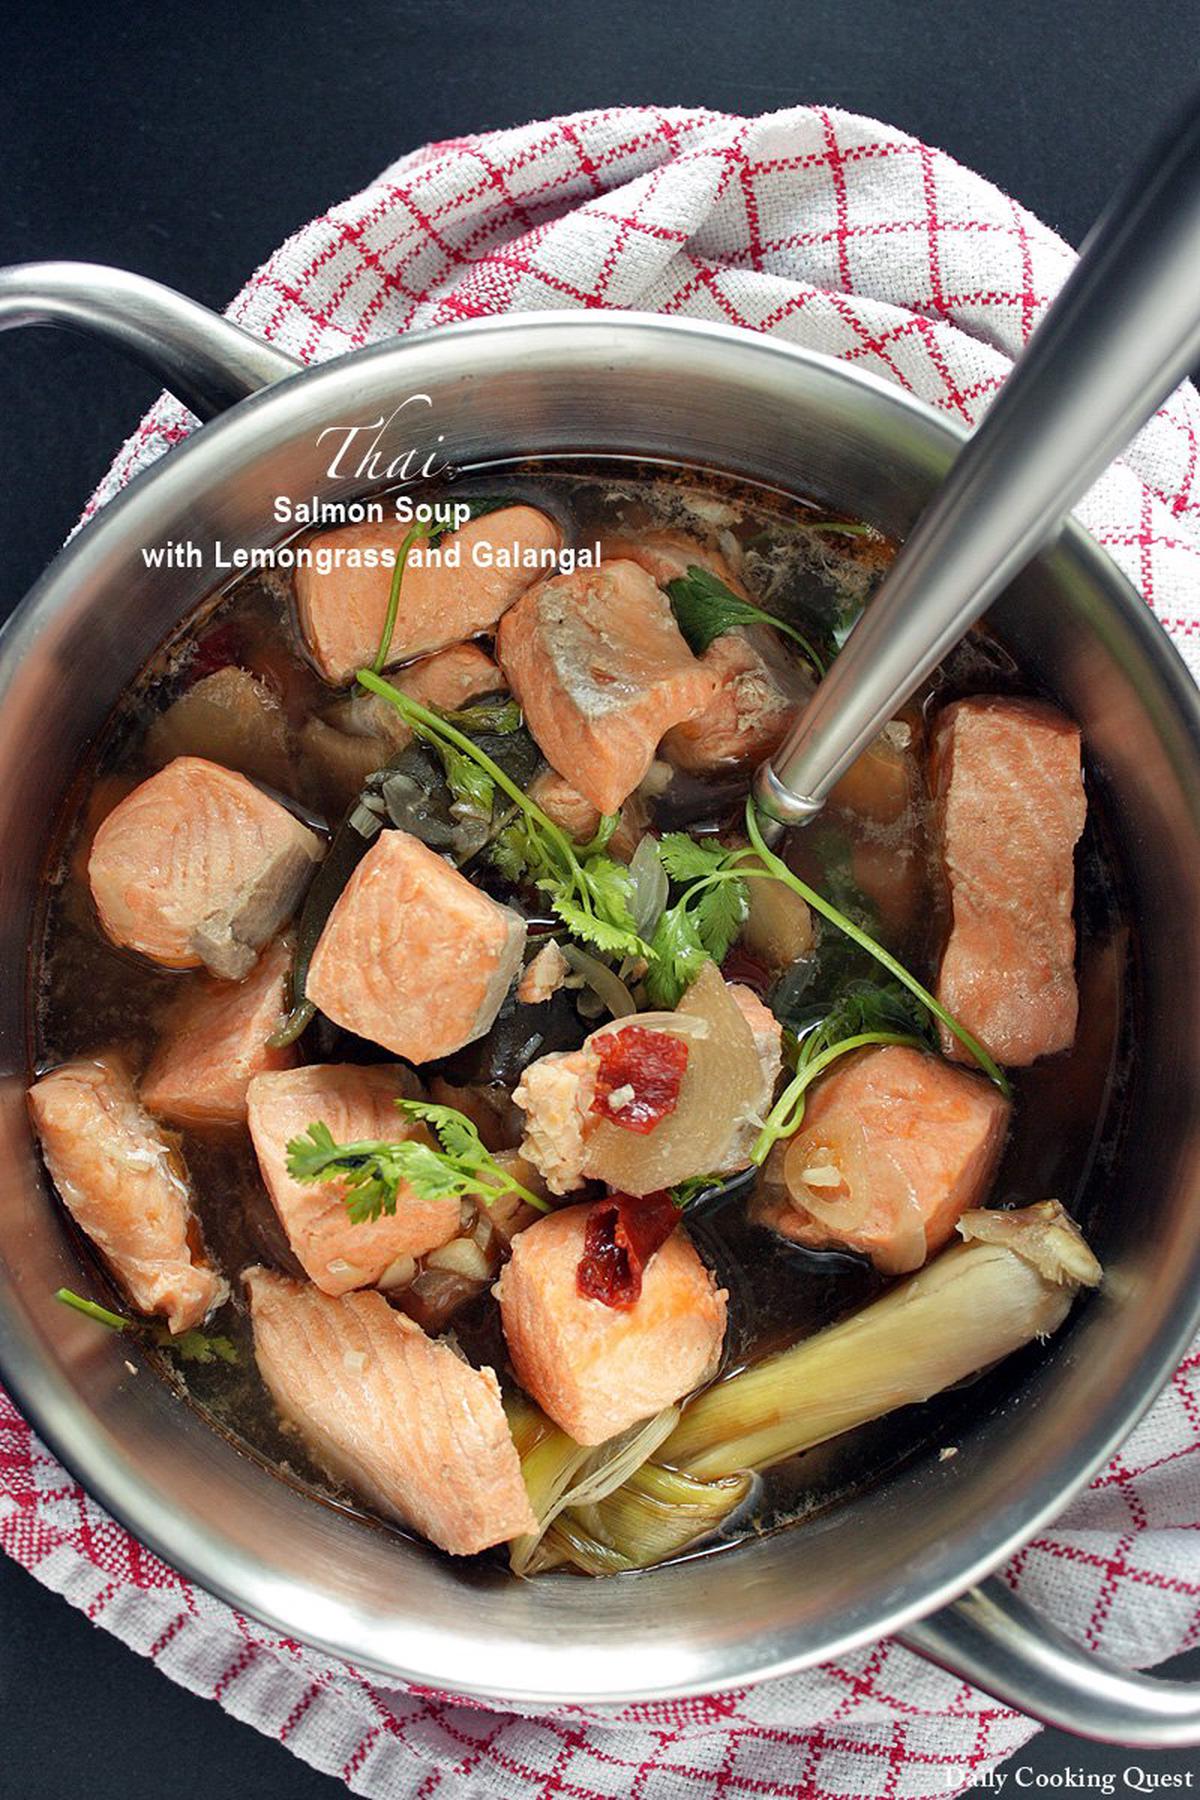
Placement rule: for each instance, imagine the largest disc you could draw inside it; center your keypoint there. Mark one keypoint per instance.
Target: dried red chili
(644, 1070)
(622, 1234)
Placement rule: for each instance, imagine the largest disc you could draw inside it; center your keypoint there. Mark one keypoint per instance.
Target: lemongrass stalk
(658, 1513)
(559, 1473)
(1013, 1279)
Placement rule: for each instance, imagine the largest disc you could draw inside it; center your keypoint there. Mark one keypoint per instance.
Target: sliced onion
(650, 887)
(461, 1256)
(603, 981)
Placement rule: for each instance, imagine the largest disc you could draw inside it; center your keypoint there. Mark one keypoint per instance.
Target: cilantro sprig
(189, 1346)
(589, 891)
(374, 1170)
(704, 920)
(705, 609)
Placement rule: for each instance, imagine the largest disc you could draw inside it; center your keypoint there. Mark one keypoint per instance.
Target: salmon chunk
(126, 1188)
(198, 866)
(895, 1146)
(229, 717)
(602, 672)
(214, 1042)
(450, 591)
(668, 555)
(450, 679)
(402, 1420)
(597, 1369)
(413, 956)
(566, 807)
(1011, 807)
(748, 717)
(358, 1104)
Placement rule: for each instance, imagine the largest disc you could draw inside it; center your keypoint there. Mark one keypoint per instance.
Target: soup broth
(810, 569)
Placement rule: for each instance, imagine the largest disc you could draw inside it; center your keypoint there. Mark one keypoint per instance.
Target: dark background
(185, 142)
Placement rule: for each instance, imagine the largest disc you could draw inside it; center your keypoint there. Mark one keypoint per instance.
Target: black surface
(186, 142)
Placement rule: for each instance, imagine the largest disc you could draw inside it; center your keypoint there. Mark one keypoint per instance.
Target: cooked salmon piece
(758, 691)
(1010, 806)
(895, 1146)
(402, 1420)
(359, 1105)
(597, 1369)
(767, 1033)
(543, 976)
(358, 735)
(602, 672)
(555, 1094)
(214, 1041)
(197, 865)
(451, 679)
(126, 1187)
(450, 591)
(566, 807)
(229, 717)
(667, 555)
(413, 955)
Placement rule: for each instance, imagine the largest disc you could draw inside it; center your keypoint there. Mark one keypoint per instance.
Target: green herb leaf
(189, 1346)
(497, 718)
(677, 955)
(374, 1171)
(705, 609)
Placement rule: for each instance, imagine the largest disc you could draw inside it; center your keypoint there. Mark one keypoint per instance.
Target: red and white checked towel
(840, 233)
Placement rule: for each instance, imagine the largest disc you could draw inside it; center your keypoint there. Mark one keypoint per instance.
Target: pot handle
(204, 360)
(993, 1640)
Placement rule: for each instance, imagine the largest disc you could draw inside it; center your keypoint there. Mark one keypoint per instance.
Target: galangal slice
(214, 1042)
(603, 673)
(126, 1188)
(402, 1420)
(596, 1369)
(358, 1105)
(197, 865)
(731, 1059)
(1010, 803)
(446, 595)
(895, 1146)
(413, 955)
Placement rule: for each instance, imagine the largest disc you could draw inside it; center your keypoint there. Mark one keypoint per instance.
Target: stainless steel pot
(902, 1558)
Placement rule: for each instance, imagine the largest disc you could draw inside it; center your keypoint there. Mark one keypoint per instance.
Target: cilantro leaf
(705, 609)
(374, 1171)
(686, 858)
(677, 955)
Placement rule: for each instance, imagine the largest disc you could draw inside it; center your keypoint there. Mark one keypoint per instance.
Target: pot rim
(194, 1546)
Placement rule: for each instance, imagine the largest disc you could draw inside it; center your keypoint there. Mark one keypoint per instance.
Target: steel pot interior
(723, 400)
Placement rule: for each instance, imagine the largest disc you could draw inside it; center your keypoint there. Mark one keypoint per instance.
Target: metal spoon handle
(1120, 336)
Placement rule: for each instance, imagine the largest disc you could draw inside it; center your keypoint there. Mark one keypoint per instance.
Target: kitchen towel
(836, 232)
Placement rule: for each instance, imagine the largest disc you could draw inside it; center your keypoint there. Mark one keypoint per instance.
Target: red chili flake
(623, 1233)
(651, 1063)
